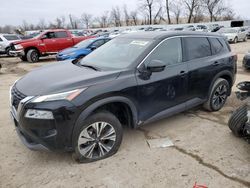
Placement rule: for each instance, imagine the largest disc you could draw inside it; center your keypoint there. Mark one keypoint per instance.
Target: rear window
(196, 47)
(61, 34)
(216, 46)
(11, 37)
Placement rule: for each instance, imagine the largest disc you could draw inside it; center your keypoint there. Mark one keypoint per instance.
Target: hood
(25, 41)
(60, 77)
(71, 50)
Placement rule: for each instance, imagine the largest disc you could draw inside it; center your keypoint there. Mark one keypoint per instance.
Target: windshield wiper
(90, 66)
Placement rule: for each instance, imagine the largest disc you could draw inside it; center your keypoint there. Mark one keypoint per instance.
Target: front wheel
(32, 56)
(99, 137)
(218, 95)
(238, 121)
(245, 39)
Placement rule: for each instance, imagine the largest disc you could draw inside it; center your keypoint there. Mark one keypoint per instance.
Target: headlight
(69, 95)
(18, 47)
(39, 114)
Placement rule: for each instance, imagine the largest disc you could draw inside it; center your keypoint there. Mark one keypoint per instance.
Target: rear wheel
(8, 51)
(245, 39)
(99, 137)
(218, 95)
(238, 120)
(235, 40)
(32, 56)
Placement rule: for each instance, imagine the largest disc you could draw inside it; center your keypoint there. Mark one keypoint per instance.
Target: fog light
(39, 114)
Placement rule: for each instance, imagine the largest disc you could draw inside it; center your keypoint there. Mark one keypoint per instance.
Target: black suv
(130, 81)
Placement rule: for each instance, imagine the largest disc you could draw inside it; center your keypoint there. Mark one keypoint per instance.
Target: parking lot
(204, 151)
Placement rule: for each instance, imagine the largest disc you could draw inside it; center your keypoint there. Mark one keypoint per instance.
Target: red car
(47, 43)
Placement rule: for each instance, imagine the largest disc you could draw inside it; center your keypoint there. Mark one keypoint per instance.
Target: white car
(202, 28)
(234, 34)
(5, 41)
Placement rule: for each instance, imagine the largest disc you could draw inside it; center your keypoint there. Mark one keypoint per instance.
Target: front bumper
(41, 134)
(17, 53)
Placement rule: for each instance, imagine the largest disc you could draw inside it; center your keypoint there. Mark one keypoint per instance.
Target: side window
(196, 47)
(50, 35)
(216, 45)
(61, 34)
(169, 52)
(1, 39)
(98, 43)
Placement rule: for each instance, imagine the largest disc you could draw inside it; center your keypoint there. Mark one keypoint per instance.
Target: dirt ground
(205, 151)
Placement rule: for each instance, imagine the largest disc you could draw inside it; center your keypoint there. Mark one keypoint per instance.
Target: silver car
(234, 34)
(5, 41)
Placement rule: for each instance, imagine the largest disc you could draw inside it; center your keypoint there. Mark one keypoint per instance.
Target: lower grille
(17, 96)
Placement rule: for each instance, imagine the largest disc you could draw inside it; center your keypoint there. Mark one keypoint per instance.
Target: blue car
(81, 49)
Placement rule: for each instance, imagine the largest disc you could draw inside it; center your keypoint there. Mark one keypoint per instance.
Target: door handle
(216, 64)
(182, 73)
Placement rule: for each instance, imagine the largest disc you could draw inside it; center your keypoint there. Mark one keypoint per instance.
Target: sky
(13, 12)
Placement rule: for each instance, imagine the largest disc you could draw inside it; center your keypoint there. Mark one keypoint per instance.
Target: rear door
(63, 40)
(201, 67)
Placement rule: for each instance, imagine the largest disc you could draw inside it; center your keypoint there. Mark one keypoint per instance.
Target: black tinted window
(61, 34)
(1, 39)
(169, 52)
(50, 35)
(196, 47)
(216, 45)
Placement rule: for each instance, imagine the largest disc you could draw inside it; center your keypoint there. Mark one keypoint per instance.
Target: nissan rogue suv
(130, 81)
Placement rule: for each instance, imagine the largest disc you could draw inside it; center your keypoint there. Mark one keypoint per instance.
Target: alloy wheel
(220, 96)
(96, 140)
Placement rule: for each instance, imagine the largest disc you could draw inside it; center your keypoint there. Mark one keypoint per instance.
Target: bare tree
(168, 11)
(86, 19)
(229, 14)
(214, 7)
(103, 19)
(147, 5)
(176, 8)
(159, 15)
(126, 15)
(73, 22)
(115, 16)
(134, 17)
(198, 14)
(59, 22)
(41, 24)
(191, 5)
(25, 26)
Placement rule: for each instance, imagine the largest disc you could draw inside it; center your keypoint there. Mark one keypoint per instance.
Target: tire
(90, 147)
(238, 120)
(32, 56)
(245, 39)
(8, 51)
(217, 96)
(235, 40)
(23, 58)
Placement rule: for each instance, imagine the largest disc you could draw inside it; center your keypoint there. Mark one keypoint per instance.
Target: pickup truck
(46, 43)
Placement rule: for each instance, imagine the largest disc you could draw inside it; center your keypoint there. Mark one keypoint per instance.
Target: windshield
(11, 37)
(84, 44)
(227, 30)
(117, 54)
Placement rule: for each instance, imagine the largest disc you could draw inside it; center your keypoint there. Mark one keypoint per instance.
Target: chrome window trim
(181, 36)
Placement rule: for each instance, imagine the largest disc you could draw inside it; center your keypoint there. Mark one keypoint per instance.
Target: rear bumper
(17, 52)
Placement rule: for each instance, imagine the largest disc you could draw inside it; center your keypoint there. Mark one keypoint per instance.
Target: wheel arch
(227, 75)
(99, 105)
(31, 48)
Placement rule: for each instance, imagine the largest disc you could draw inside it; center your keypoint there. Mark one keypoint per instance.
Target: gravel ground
(205, 151)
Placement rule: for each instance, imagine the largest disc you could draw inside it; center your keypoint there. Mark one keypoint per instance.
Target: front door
(167, 90)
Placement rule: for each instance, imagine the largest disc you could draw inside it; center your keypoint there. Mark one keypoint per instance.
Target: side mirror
(156, 66)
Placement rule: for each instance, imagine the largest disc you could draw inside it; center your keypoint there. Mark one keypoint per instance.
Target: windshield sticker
(139, 42)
